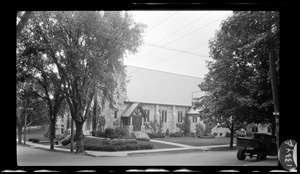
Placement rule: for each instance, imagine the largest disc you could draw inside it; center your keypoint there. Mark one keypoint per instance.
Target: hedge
(111, 133)
(143, 139)
(119, 142)
(176, 134)
(114, 145)
(34, 140)
(156, 135)
(123, 147)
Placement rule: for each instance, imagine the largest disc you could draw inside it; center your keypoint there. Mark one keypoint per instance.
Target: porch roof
(130, 109)
(193, 111)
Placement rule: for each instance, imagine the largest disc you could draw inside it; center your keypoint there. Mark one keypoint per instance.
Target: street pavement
(36, 155)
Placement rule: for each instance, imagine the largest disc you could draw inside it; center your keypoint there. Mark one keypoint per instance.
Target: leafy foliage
(83, 51)
(199, 129)
(155, 126)
(185, 126)
(176, 134)
(156, 135)
(238, 84)
(101, 123)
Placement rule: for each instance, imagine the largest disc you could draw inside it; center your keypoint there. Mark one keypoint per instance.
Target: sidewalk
(127, 153)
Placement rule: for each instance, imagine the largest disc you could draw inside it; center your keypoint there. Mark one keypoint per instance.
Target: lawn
(192, 141)
(35, 132)
(38, 133)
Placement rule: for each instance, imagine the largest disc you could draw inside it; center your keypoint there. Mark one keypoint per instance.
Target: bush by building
(156, 135)
(115, 145)
(176, 134)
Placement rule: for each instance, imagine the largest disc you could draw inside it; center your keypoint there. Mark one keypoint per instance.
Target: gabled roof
(158, 87)
(130, 109)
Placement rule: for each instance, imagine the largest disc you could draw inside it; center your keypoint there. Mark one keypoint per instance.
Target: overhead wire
(182, 36)
(162, 60)
(177, 50)
(176, 21)
(156, 25)
(161, 21)
(178, 30)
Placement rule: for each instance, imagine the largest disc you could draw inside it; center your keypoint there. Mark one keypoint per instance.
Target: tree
(85, 46)
(30, 107)
(238, 83)
(34, 63)
(23, 18)
(185, 126)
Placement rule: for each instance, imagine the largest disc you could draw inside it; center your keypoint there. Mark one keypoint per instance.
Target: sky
(176, 41)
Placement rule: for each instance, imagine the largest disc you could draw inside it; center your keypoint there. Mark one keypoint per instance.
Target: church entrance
(137, 123)
(133, 118)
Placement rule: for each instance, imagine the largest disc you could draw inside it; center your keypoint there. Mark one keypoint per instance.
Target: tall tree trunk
(72, 136)
(19, 127)
(79, 137)
(231, 138)
(52, 132)
(94, 119)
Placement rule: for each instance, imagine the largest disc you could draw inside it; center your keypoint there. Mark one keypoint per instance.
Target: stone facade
(156, 112)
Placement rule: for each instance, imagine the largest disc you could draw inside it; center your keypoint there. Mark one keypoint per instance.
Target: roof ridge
(165, 71)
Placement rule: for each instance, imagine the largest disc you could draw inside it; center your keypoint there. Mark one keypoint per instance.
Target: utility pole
(274, 92)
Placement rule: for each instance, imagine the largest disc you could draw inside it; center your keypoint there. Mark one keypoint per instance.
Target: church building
(152, 95)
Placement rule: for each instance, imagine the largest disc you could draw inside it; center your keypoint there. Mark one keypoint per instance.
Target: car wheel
(261, 156)
(241, 154)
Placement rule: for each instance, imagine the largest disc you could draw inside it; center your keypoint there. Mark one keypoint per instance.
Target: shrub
(167, 132)
(143, 139)
(67, 141)
(118, 142)
(34, 140)
(156, 135)
(100, 134)
(215, 134)
(154, 126)
(110, 132)
(191, 134)
(121, 132)
(206, 136)
(118, 145)
(145, 146)
(185, 126)
(199, 129)
(176, 134)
